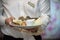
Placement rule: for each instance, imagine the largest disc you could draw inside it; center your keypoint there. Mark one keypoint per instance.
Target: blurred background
(52, 31)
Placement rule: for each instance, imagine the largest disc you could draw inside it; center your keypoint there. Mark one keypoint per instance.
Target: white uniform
(17, 8)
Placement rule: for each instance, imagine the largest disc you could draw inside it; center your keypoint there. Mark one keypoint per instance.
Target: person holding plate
(13, 9)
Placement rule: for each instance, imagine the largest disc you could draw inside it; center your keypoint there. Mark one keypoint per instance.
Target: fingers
(11, 18)
(8, 20)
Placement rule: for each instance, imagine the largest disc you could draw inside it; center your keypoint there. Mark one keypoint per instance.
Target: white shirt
(21, 8)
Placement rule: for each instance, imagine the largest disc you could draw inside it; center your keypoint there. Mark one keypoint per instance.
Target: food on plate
(21, 18)
(17, 22)
(23, 23)
(30, 22)
(27, 21)
(28, 18)
(37, 22)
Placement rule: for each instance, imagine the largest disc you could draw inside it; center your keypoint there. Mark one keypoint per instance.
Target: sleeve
(2, 18)
(45, 15)
(45, 11)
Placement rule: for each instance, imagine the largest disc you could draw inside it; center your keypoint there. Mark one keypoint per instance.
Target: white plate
(24, 27)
